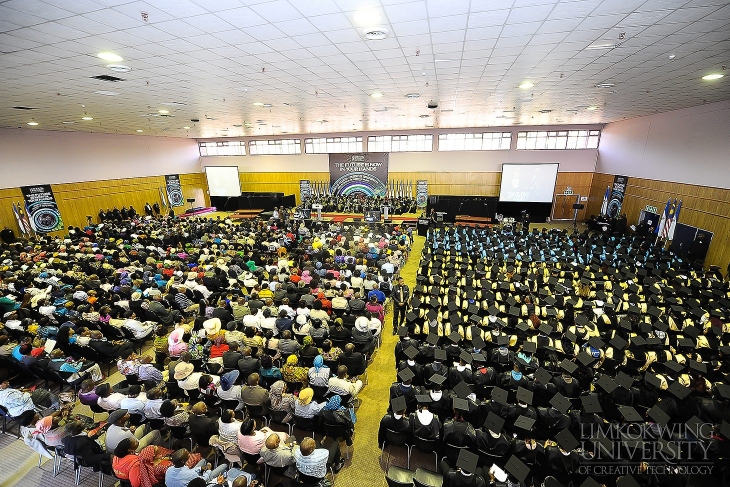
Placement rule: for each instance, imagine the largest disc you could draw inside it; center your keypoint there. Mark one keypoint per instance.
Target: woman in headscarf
(147, 468)
(268, 372)
(229, 390)
(291, 372)
(336, 414)
(176, 345)
(308, 350)
(319, 375)
(280, 400)
(361, 335)
(305, 407)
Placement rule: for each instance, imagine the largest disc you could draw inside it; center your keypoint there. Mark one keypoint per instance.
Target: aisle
(365, 469)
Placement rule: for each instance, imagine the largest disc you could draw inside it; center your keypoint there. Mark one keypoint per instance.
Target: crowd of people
(547, 358)
(246, 321)
(359, 203)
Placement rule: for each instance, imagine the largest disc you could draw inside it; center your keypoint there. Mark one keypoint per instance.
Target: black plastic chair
(277, 417)
(337, 432)
(320, 392)
(399, 477)
(424, 478)
(256, 411)
(4, 414)
(397, 439)
(306, 424)
(278, 471)
(426, 445)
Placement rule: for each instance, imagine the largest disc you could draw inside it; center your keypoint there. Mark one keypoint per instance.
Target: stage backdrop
(363, 173)
(616, 200)
(42, 209)
(174, 189)
(421, 193)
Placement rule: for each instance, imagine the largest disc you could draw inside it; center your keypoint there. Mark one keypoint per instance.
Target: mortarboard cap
(618, 343)
(467, 461)
(591, 482)
(411, 316)
(674, 366)
(566, 440)
(405, 375)
(517, 469)
(398, 404)
(440, 355)
(411, 352)
(452, 306)
(431, 315)
(543, 376)
(455, 337)
(529, 347)
(502, 340)
(415, 302)
(465, 356)
(522, 326)
(524, 423)
(478, 342)
(462, 390)
(461, 404)
(591, 404)
(586, 358)
(423, 399)
(606, 383)
(499, 396)
(514, 311)
(657, 414)
(437, 379)
(478, 357)
(568, 366)
(630, 414)
(624, 380)
(560, 402)
(691, 331)
(653, 380)
(596, 342)
(723, 390)
(698, 367)
(581, 320)
(725, 429)
(402, 331)
(545, 329)
(432, 339)
(494, 422)
(493, 311)
(627, 481)
(524, 395)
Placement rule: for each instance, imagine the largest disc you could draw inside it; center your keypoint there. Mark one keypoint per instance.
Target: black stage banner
(305, 190)
(364, 173)
(174, 190)
(41, 208)
(421, 193)
(616, 200)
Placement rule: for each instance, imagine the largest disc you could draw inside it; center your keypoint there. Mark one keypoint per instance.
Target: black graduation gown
(455, 478)
(495, 446)
(431, 431)
(390, 422)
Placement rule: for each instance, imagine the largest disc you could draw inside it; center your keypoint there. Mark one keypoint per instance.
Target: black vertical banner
(421, 193)
(305, 189)
(616, 200)
(174, 190)
(41, 208)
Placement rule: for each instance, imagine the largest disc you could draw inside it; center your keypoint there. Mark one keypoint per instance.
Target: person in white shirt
(339, 384)
(107, 399)
(289, 310)
(228, 390)
(138, 329)
(155, 398)
(375, 326)
(135, 402)
(203, 290)
(252, 320)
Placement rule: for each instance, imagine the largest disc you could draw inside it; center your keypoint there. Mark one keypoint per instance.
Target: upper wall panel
(685, 146)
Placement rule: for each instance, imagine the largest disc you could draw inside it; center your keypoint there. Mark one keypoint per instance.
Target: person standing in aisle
(401, 294)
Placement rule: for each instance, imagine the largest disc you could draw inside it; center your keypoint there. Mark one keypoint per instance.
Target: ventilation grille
(24, 108)
(106, 77)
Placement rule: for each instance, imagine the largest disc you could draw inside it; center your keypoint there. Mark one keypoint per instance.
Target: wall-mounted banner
(618, 190)
(305, 189)
(421, 193)
(174, 190)
(364, 173)
(41, 208)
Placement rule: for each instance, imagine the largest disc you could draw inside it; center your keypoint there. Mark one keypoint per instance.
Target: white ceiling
(309, 60)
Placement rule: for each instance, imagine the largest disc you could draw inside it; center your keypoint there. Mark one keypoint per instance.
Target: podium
(318, 208)
(422, 226)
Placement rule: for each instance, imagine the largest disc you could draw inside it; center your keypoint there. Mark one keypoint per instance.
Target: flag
(668, 221)
(662, 222)
(162, 197)
(24, 218)
(18, 219)
(604, 206)
(676, 220)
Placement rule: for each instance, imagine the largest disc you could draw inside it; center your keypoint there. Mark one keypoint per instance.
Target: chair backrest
(335, 431)
(397, 438)
(319, 391)
(256, 410)
(306, 424)
(293, 386)
(424, 445)
(332, 364)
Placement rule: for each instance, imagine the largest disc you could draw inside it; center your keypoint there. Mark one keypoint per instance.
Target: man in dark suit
(354, 361)
(248, 364)
(201, 426)
(222, 312)
(231, 356)
(79, 444)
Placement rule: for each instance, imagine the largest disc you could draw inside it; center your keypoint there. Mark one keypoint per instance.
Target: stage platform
(198, 212)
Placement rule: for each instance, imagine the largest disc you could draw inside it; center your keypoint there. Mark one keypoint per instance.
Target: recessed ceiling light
(174, 104)
(106, 93)
(87, 118)
(710, 77)
(119, 68)
(424, 116)
(526, 85)
(592, 108)
(258, 104)
(68, 123)
(32, 124)
(235, 125)
(545, 111)
(599, 47)
(605, 85)
(413, 95)
(377, 94)
(163, 112)
(268, 105)
(110, 56)
(186, 127)
(376, 34)
(140, 130)
(672, 56)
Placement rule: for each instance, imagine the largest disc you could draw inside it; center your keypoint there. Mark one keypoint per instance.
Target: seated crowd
(359, 203)
(543, 358)
(249, 323)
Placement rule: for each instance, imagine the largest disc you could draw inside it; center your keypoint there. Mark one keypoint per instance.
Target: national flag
(162, 197)
(24, 218)
(668, 221)
(675, 220)
(662, 222)
(604, 206)
(18, 219)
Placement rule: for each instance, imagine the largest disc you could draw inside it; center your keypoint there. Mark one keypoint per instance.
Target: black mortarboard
(478, 342)
(618, 343)
(511, 301)
(432, 339)
(586, 358)
(455, 319)
(725, 429)
(581, 320)
(461, 404)
(661, 326)
(493, 311)
(698, 367)
(545, 329)
(402, 331)
(431, 315)
(440, 355)
(596, 342)
(522, 326)
(543, 376)
(454, 337)
(638, 340)
(405, 375)
(685, 343)
(657, 414)
(437, 379)
(499, 396)
(627, 481)
(691, 331)
(517, 468)
(678, 390)
(494, 422)
(550, 301)
(606, 383)
(478, 357)
(475, 319)
(723, 390)
(590, 482)
(551, 312)
(630, 414)
(462, 390)
(653, 380)
(624, 380)
(465, 356)
(514, 311)
(571, 336)
(524, 423)
(502, 340)
(423, 399)
(674, 366)
(591, 404)
(698, 427)
(566, 440)
(397, 404)
(560, 402)
(411, 352)
(568, 366)
(411, 316)
(452, 306)
(467, 461)
(434, 303)
(654, 311)
(529, 347)
(625, 324)
(524, 395)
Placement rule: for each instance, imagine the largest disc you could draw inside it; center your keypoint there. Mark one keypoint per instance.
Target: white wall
(691, 145)
(30, 156)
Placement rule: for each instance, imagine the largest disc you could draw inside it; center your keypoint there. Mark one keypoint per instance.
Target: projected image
(533, 183)
(223, 181)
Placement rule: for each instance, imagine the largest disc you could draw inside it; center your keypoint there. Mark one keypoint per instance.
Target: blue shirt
(181, 476)
(378, 295)
(314, 464)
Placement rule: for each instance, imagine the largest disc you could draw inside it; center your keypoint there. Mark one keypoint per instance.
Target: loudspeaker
(578, 206)
(190, 200)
